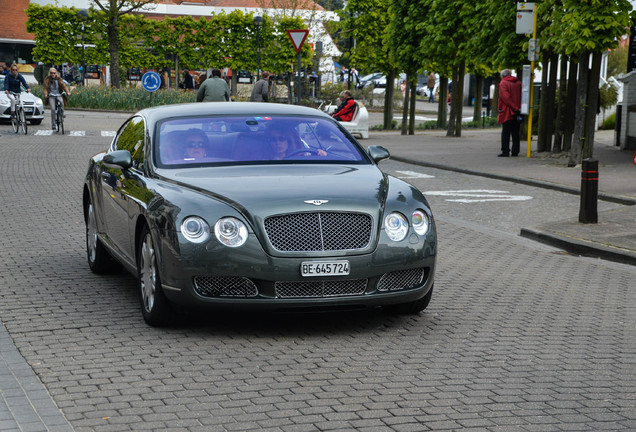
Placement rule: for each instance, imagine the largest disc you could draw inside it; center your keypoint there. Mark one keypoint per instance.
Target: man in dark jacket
(347, 107)
(509, 106)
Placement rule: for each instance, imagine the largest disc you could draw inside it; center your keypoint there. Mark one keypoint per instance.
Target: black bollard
(589, 191)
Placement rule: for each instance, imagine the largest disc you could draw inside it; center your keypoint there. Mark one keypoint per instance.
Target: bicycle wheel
(59, 120)
(14, 123)
(22, 119)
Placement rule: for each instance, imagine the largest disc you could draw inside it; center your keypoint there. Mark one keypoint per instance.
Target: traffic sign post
(298, 38)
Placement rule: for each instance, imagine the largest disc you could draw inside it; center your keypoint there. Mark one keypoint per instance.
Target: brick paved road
(518, 337)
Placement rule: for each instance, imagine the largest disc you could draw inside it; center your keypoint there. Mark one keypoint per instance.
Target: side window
(132, 137)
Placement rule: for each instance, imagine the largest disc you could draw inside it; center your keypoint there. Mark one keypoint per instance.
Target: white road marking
(77, 133)
(44, 132)
(413, 174)
(478, 195)
(108, 133)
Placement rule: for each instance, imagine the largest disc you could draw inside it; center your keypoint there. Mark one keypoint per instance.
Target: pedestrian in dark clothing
(260, 92)
(188, 81)
(508, 117)
(430, 83)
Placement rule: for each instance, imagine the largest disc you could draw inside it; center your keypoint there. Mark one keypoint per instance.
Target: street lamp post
(83, 14)
(258, 22)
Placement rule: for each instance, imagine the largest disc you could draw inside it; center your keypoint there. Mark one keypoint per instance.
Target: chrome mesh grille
(321, 288)
(224, 286)
(320, 231)
(403, 279)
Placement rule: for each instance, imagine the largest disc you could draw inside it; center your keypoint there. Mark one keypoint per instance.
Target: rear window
(250, 140)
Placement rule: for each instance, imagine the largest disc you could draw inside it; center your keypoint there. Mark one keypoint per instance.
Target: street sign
(533, 50)
(151, 81)
(525, 18)
(298, 38)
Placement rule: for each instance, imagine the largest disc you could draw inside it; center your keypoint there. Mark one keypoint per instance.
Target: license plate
(324, 268)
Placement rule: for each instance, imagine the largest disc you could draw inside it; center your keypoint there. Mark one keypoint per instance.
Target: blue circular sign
(151, 81)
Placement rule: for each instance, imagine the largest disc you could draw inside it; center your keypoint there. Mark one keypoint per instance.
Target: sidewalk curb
(580, 246)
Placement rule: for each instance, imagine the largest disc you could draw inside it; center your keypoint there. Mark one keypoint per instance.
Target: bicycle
(18, 121)
(59, 114)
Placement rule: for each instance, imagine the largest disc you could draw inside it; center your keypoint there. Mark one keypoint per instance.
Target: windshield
(249, 140)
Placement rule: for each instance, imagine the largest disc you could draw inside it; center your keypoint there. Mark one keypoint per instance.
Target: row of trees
(454, 37)
(135, 40)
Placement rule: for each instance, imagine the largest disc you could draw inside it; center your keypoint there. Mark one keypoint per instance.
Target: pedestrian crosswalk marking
(413, 174)
(77, 133)
(44, 132)
(108, 133)
(478, 195)
(74, 133)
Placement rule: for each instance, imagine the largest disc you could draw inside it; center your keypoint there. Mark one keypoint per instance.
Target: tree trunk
(543, 104)
(450, 130)
(113, 45)
(495, 96)
(570, 105)
(581, 111)
(560, 117)
(441, 103)
(479, 91)
(593, 103)
(388, 101)
(412, 85)
(551, 96)
(405, 105)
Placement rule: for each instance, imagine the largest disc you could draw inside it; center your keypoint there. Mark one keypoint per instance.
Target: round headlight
(195, 229)
(230, 231)
(396, 226)
(420, 222)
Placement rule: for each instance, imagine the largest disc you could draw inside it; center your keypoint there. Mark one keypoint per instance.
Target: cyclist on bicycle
(55, 89)
(12, 84)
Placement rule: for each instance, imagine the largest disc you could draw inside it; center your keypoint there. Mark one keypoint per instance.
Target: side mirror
(378, 153)
(119, 158)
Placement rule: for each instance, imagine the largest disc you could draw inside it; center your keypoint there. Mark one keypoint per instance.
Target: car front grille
(320, 231)
(320, 288)
(224, 286)
(402, 279)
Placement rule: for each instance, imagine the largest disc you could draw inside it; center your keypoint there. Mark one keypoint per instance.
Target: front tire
(23, 123)
(411, 308)
(14, 122)
(155, 307)
(60, 121)
(99, 260)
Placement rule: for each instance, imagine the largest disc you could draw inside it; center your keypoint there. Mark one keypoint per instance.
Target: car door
(120, 187)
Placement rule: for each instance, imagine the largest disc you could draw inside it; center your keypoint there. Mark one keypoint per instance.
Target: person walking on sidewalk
(430, 83)
(509, 106)
(260, 92)
(214, 89)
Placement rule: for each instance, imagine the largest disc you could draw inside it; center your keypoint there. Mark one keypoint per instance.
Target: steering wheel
(311, 151)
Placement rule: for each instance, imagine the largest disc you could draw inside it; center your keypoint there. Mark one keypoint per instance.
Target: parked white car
(33, 106)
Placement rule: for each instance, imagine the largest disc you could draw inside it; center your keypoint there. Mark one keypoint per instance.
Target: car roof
(257, 109)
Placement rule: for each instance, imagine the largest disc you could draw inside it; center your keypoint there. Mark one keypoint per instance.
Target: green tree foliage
(221, 40)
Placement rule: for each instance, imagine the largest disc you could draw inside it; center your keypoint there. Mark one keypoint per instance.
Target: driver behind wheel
(286, 143)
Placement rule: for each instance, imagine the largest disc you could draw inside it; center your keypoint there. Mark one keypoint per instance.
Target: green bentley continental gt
(255, 205)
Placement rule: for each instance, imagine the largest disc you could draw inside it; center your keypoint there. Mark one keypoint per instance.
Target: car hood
(259, 191)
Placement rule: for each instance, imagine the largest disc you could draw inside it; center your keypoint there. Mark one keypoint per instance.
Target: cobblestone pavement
(518, 337)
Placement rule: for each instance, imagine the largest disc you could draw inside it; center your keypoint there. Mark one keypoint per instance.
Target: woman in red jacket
(347, 107)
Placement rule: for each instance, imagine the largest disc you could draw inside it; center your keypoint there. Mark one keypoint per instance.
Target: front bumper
(247, 277)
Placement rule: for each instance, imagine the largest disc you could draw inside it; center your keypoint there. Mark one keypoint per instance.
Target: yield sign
(298, 38)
